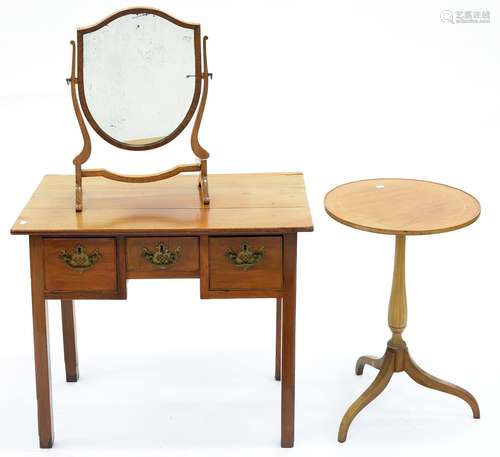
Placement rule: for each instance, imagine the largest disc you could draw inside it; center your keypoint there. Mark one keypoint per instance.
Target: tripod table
(400, 207)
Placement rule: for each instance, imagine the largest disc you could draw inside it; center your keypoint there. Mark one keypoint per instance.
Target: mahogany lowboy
(243, 246)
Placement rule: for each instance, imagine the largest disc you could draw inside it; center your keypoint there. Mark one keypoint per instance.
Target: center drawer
(163, 257)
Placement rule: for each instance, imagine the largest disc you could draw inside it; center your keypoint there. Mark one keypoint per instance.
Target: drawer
(241, 263)
(163, 256)
(80, 264)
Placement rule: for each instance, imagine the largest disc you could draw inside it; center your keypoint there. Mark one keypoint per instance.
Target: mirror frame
(198, 77)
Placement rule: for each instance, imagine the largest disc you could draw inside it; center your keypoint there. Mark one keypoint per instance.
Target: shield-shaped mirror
(139, 77)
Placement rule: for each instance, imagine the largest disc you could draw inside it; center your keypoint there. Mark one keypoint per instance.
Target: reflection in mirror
(135, 77)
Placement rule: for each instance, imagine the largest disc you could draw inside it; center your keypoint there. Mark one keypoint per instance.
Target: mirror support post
(203, 184)
(198, 150)
(85, 152)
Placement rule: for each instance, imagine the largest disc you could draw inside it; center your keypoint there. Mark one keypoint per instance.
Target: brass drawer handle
(162, 257)
(80, 260)
(246, 258)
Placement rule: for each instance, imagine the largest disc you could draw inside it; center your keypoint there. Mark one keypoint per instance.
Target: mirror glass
(135, 77)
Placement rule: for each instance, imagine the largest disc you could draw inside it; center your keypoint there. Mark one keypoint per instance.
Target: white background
(341, 91)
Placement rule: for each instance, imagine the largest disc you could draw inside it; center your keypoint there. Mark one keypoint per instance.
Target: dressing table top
(267, 203)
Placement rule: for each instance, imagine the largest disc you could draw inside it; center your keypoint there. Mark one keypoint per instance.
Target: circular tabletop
(401, 206)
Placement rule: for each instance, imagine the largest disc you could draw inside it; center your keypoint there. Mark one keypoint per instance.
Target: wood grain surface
(271, 203)
(401, 206)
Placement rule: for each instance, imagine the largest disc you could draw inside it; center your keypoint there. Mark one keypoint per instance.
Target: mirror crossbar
(141, 178)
